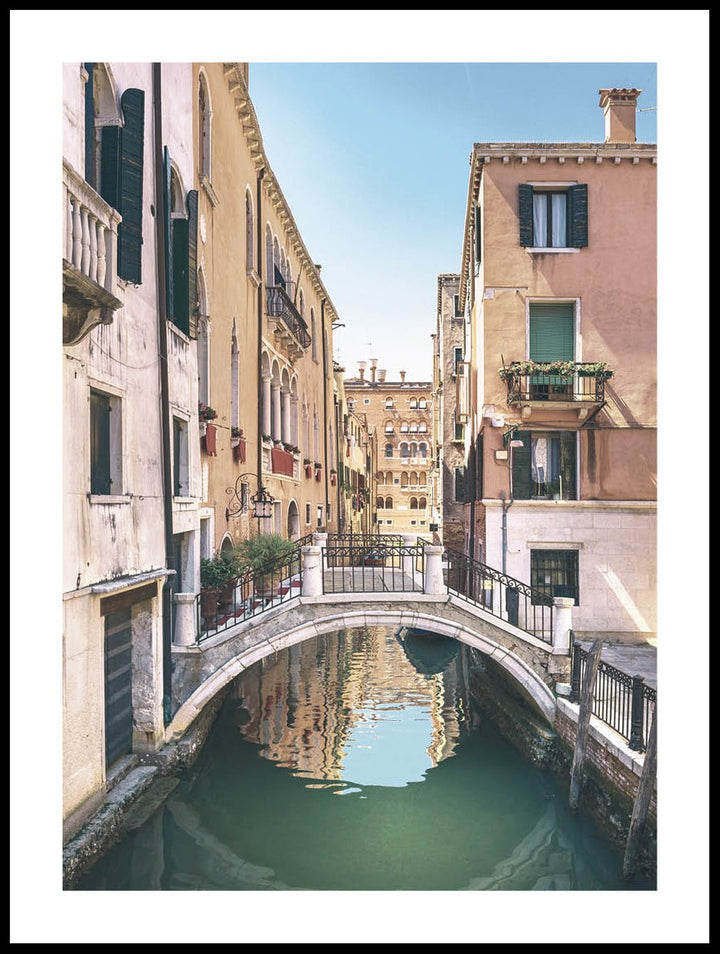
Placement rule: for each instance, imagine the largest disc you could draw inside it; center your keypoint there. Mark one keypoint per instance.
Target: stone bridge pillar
(434, 583)
(312, 579)
(184, 632)
(408, 560)
(559, 661)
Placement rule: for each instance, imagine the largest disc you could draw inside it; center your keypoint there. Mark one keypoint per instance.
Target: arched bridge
(332, 585)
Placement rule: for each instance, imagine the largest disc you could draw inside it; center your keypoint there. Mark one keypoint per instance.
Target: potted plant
(215, 574)
(205, 412)
(318, 470)
(308, 466)
(261, 554)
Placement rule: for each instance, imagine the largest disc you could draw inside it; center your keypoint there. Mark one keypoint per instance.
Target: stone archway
(293, 521)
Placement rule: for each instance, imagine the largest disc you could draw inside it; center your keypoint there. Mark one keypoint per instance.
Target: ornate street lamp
(262, 501)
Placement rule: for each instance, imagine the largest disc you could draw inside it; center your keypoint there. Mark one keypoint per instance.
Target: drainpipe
(260, 292)
(161, 240)
(325, 422)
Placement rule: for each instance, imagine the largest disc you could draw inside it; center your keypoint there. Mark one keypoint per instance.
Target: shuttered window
(552, 331)
(553, 218)
(181, 256)
(130, 185)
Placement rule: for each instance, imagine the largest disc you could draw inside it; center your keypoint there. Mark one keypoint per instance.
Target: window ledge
(550, 251)
(253, 276)
(109, 498)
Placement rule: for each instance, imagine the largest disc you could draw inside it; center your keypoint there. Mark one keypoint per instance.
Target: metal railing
(583, 388)
(505, 597)
(280, 305)
(622, 702)
(249, 594)
(373, 565)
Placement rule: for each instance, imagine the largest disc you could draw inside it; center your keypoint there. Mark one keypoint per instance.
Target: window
(105, 444)
(313, 335)
(389, 403)
(181, 471)
(459, 485)
(456, 307)
(389, 427)
(388, 450)
(249, 233)
(204, 121)
(366, 400)
(543, 467)
(308, 514)
(181, 218)
(457, 358)
(553, 215)
(458, 431)
(555, 573)
(552, 338)
(319, 515)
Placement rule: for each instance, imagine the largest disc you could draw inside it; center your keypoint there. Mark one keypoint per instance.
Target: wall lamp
(262, 501)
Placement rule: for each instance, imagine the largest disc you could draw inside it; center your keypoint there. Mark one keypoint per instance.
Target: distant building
(558, 280)
(399, 415)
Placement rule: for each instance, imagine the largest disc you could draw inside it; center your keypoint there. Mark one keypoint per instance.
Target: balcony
(570, 385)
(89, 258)
(290, 328)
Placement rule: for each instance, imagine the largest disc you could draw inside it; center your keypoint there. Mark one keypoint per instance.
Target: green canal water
(357, 762)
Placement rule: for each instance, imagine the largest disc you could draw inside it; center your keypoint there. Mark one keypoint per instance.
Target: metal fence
(505, 597)
(372, 566)
(622, 702)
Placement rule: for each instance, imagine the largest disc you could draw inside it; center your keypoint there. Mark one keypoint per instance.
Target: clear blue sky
(373, 159)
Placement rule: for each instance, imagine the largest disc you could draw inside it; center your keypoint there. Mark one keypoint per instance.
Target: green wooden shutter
(525, 213)
(568, 455)
(130, 187)
(552, 331)
(192, 208)
(110, 166)
(522, 484)
(478, 235)
(89, 126)
(578, 215)
(169, 307)
(180, 274)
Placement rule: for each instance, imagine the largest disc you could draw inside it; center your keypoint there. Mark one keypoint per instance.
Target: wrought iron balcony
(281, 307)
(571, 383)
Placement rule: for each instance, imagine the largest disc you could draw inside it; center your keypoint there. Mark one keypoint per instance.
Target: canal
(358, 761)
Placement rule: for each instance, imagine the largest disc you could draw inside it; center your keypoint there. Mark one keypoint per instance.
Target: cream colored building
(399, 415)
(559, 265)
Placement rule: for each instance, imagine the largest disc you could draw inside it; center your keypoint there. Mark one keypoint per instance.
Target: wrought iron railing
(280, 305)
(249, 594)
(374, 565)
(505, 597)
(582, 387)
(622, 702)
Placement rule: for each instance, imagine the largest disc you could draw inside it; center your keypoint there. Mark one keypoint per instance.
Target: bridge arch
(475, 633)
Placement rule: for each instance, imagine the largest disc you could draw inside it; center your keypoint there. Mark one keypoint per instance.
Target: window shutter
(89, 126)
(110, 166)
(578, 214)
(552, 331)
(192, 207)
(130, 188)
(525, 213)
(568, 454)
(522, 486)
(181, 303)
(478, 235)
(169, 307)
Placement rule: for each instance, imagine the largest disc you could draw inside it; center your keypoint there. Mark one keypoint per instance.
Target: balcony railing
(281, 306)
(89, 257)
(568, 382)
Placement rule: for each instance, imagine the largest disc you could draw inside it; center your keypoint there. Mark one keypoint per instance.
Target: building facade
(558, 281)
(399, 414)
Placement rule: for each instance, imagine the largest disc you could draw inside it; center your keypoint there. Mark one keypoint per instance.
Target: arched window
(423, 478)
(249, 232)
(203, 347)
(422, 503)
(388, 503)
(413, 449)
(404, 479)
(413, 402)
(269, 258)
(389, 402)
(204, 128)
(413, 503)
(181, 273)
(389, 477)
(422, 450)
(234, 380)
(381, 503)
(404, 450)
(388, 450)
(389, 427)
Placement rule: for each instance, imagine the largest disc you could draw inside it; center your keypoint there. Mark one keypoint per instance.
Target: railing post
(636, 714)
(320, 540)
(185, 629)
(576, 672)
(312, 578)
(433, 582)
(562, 625)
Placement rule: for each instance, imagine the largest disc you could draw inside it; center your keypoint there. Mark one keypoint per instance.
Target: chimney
(619, 107)
(373, 366)
(361, 365)
(381, 375)
(402, 377)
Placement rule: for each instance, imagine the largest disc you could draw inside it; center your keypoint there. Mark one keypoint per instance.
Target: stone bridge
(201, 670)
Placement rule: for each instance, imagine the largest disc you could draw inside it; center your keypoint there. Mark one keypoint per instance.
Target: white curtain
(559, 221)
(539, 220)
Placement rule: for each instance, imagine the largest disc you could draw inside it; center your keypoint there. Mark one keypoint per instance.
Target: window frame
(566, 555)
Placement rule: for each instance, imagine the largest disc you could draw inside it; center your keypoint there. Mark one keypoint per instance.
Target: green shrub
(263, 549)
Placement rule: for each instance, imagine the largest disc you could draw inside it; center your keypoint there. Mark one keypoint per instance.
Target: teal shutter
(110, 166)
(525, 214)
(169, 307)
(552, 331)
(568, 455)
(192, 208)
(578, 215)
(478, 234)
(522, 484)
(180, 274)
(89, 126)
(130, 187)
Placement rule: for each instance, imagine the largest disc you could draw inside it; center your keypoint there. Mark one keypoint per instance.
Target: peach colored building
(558, 290)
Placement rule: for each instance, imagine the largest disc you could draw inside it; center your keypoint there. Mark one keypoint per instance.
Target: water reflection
(432, 797)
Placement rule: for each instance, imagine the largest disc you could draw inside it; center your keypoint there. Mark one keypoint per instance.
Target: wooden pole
(586, 701)
(642, 802)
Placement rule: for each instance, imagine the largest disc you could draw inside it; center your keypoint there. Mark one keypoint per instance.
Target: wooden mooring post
(583, 726)
(642, 802)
